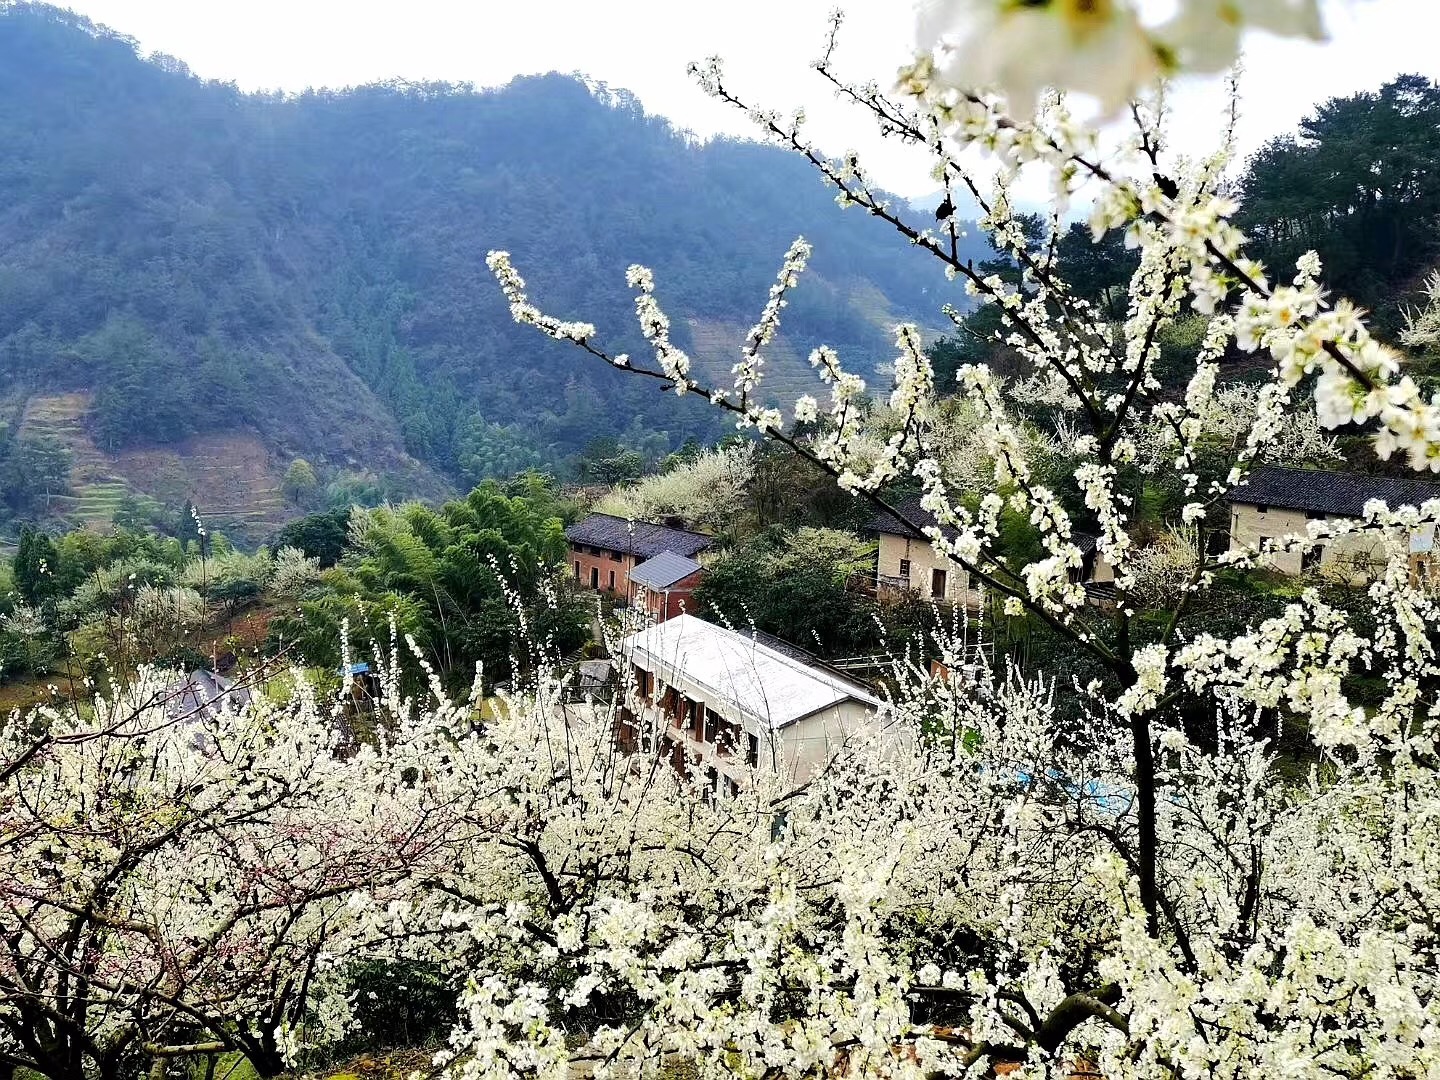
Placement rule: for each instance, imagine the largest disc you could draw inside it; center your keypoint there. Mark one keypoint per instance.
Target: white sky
(644, 45)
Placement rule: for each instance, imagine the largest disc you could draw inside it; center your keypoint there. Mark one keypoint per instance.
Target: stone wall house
(1274, 502)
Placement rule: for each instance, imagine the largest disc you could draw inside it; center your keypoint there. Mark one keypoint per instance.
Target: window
(1314, 515)
(752, 749)
(905, 568)
(1310, 559)
(614, 556)
(577, 569)
(642, 680)
(594, 577)
(937, 584)
(626, 731)
(1262, 508)
(612, 580)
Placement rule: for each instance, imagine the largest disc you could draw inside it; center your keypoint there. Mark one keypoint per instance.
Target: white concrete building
(714, 702)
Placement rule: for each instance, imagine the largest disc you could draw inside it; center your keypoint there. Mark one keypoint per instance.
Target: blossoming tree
(983, 882)
(1153, 892)
(178, 881)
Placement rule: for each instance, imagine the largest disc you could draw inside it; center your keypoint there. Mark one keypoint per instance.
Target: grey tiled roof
(201, 694)
(1319, 492)
(635, 537)
(664, 570)
(913, 511)
(886, 522)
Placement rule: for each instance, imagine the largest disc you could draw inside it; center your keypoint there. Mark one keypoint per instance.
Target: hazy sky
(644, 45)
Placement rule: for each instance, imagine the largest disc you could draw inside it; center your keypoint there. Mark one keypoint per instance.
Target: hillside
(307, 273)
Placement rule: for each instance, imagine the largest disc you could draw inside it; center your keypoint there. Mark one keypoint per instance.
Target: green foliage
(605, 461)
(793, 585)
(460, 580)
(403, 1004)
(1360, 184)
(31, 470)
(1097, 272)
(34, 568)
(211, 260)
(320, 536)
(360, 489)
(787, 490)
(300, 481)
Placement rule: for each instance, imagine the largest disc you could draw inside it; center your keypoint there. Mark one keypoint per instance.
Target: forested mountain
(193, 259)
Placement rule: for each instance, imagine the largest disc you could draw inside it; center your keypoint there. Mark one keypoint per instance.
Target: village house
(605, 549)
(1275, 502)
(715, 701)
(907, 562)
(661, 587)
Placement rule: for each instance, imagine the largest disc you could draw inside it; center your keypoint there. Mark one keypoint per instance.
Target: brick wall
(594, 569)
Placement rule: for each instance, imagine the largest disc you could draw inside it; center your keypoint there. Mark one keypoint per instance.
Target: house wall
(1249, 525)
(671, 602)
(923, 562)
(1101, 572)
(796, 751)
(584, 558)
(799, 750)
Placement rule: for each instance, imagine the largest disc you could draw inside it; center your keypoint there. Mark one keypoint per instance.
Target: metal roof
(664, 570)
(202, 693)
(635, 537)
(1320, 492)
(755, 680)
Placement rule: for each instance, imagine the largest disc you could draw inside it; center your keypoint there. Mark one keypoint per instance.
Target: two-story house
(605, 549)
(1274, 502)
(908, 562)
(716, 702)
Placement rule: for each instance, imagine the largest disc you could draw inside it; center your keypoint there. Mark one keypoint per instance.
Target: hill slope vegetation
(311, 268)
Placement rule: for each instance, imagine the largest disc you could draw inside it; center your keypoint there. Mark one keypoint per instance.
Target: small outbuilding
(661, 587)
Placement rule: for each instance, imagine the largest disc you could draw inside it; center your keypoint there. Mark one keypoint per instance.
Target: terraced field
(96, 488)
(229, 477)
(716, 348)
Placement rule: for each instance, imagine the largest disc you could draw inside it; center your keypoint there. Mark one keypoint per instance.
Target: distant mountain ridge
(310, 269)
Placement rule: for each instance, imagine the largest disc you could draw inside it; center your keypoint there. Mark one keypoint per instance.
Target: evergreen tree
(35, 567)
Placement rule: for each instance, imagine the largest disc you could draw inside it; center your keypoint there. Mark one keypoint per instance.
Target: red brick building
(604, 549)
(662, 586)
